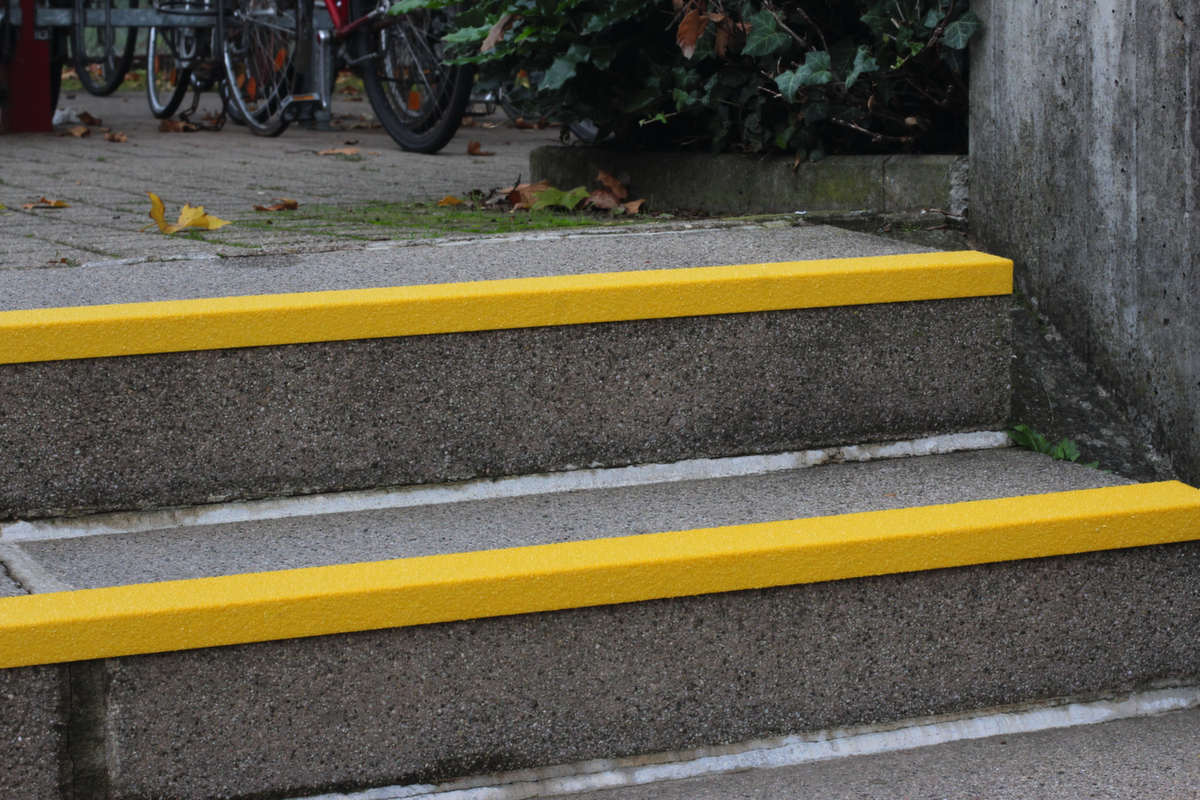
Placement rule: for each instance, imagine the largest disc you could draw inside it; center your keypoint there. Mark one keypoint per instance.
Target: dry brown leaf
(279, 204)
(119, 138)
(79, 131)
(614, 185)
(45, 203)
(633, 206)
(177, 126)
(476, 149)
(721, 42)
(88, 119)
(691, 28)
(603, 198)
(497, 32)
(189, 217)
(340, 151)
(520, 122)
(522, 195)
(467, 122)
(450, 200)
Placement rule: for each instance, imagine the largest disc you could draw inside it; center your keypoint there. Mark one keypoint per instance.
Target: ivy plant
(809, 77)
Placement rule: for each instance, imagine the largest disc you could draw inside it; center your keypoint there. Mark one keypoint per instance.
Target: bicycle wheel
(260, 42)
(418, 98)
(102, 51)
(168, 68)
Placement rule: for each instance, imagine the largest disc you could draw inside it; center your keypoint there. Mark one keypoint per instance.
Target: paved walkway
(228, 172)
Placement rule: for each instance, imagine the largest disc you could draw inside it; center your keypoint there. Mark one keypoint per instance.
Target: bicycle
(268, 53)
(101, 51)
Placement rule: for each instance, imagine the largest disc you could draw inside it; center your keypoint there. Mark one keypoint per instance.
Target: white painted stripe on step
(784, 751)
(516, 486)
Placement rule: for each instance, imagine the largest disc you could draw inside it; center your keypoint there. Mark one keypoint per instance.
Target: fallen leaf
(691, 28)
(556, 197)
(633, 206)
(45, 203)
(522, 195)
(177, 126)
(467, 122)
(497, 32)
(476, 149)
(603, 198)
(104, 130)
(520, 122)
(78, 132)
(340, 151)
(614, 185)
(450, 200)
(189, 217)
(120, 138)
(88, 119)
(721, 42)
(279, 204)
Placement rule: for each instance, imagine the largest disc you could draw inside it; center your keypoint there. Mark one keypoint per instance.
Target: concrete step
(246, 651)
(134, 386)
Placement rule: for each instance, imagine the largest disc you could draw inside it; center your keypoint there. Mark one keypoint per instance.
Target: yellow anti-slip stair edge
(181, 325)
(207, 612)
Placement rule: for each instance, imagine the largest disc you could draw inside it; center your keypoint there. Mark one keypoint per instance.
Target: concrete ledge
(207, 612)
(427, 703)
(740, 184)
(144, 431)
(182, 325)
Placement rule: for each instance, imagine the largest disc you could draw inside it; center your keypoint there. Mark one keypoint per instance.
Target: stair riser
(437, 701)
(109, 433)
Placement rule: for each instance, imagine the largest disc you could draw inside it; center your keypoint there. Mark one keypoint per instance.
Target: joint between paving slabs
(85, 771)
(27, 573)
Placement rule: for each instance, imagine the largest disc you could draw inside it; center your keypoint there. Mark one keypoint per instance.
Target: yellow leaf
(190, 217)
(45, 203)
(449, 200)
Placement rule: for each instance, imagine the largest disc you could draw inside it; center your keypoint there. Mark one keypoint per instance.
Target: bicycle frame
(339, 11)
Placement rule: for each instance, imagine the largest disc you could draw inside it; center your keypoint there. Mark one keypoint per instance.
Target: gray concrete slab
(1150, 758)
(32, 725)
(226, 172)
(438, 701)
(173, 429)
(232, 548)
(658, 246)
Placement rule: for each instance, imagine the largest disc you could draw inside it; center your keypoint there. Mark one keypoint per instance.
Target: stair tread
(439, 261)
(115, 559)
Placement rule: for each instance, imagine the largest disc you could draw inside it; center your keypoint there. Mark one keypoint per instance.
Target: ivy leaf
(765, 38)
(816, 112)
(563, 68)
(879, 19)
(863, 62)
(816, 70)
(958, 33)
(789, 83)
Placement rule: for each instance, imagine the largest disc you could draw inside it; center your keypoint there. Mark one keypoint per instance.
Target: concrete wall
(1085, 173)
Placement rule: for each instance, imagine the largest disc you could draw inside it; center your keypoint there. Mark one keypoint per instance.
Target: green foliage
(806, 76)
(1027, 437)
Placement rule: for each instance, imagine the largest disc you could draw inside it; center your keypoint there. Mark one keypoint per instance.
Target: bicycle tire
(258, 50)
(422, 115)
(168, 75)
(111, 53)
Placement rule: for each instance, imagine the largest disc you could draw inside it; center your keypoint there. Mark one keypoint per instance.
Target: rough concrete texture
(1084, 171)
(289, 543)
(31, 732)
(740, 184)
(1151, 758)
(449, 260)
(429, 702)
(9, 587)
(176, 429)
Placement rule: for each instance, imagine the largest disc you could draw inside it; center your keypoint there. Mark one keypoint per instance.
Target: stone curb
(741, 184)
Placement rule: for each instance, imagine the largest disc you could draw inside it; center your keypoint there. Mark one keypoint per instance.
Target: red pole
(28, 81)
